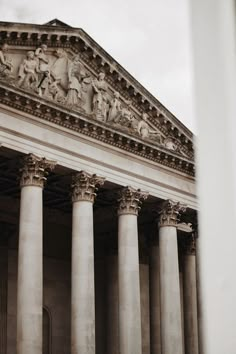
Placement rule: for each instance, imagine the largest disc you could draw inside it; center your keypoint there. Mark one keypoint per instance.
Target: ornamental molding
(130, 201)
(99, 131)
(60, 74)
(84, 186)
(35, 170)
(170, 212)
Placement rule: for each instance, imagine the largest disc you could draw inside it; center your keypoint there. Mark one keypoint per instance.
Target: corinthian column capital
(34, 170)
(170, 212)
(130, 200)
(84, 186)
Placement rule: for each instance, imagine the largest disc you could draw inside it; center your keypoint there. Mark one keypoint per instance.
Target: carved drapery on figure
(115, 108)
(6, 66)
(76, 74)
(84, 186)
(100, 98)
(130, 200)
(170, 213)
(34, 170)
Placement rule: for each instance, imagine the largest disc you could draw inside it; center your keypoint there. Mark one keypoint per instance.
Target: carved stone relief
(6, 65)
(62, 77)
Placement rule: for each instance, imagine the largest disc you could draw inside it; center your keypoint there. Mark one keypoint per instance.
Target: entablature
(82, 123)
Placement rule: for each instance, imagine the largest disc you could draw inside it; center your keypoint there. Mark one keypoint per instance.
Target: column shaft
(190, 305)
(30, 272)
(82, 300)
(129, 286)
(171, 327)
(3, 294)
(112, 334)
(82, 277)
(155, 323)
(30, 261)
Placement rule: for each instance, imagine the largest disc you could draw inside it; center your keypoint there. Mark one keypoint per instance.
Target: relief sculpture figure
(115, 108)
(28, 72)
(126, 115)
(144, 129)
(100, 98)
(6, 66)
(76, 74)
(44, 77)
(59, 69)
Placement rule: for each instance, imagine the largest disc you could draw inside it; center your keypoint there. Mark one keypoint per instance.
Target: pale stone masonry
(97, 204)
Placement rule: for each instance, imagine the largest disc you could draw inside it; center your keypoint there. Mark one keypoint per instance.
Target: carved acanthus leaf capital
(130, 200)
(35, 170)
(170, 212)
(84, 186)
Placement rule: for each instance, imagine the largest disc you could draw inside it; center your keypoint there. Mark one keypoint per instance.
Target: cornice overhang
(82, 123)
(77, 39)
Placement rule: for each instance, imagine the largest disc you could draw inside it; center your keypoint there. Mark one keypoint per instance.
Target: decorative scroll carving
(170, 212)
(84, 186)
(130, 201)
(190, 245)
(35, 170)
(6, 66)
(100, 98)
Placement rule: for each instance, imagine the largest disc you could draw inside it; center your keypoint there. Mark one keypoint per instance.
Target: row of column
(30, 275)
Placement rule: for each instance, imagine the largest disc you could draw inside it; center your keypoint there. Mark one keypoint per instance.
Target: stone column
(112, 333)
(171, 327)
(84, 187)
(4, 232)
(155, 311)
(190, 297)
(128, 271)
(30, 261)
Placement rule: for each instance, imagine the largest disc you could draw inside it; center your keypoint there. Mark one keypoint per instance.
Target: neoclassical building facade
(98, 209)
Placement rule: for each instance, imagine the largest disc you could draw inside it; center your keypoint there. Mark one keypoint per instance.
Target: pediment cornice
(82, 123)
(98, 59)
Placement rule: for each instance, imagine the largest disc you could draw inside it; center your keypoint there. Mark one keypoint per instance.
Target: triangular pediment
(57, 23)
(60, 67)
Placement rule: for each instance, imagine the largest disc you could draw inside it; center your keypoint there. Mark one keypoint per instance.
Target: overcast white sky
(150, 38)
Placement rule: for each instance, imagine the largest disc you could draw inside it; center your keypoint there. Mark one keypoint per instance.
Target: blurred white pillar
(213, 40)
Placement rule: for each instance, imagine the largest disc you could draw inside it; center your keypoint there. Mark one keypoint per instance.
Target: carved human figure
(115, 108)
(6, 65)
(28, 71)
(43, 60)
(170, 144)
(76, 73)
(126, 115)
(44, 77)
(59, 69)
(100, 98)
(55, 91)
(144, 129)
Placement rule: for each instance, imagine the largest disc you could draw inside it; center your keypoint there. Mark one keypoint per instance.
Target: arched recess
(47, 331)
